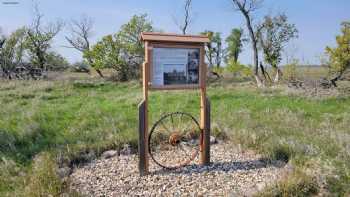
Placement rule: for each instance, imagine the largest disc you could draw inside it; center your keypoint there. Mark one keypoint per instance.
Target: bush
(81, 67)
(56, 62)
(238, 69)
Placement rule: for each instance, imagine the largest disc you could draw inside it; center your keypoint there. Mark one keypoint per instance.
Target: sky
(318, 21)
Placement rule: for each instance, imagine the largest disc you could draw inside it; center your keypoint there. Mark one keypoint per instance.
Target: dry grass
(73, 120)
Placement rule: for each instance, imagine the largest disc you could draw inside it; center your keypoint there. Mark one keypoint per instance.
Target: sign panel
(175, 66)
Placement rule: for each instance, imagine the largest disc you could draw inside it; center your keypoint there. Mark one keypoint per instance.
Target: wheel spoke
(184, 151)
(172, 121)
(176, 147)
(166, 128)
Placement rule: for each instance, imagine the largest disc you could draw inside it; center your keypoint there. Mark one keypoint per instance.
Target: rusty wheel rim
(174, 140)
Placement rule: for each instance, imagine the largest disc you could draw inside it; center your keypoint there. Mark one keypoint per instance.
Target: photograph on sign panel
(175, 66)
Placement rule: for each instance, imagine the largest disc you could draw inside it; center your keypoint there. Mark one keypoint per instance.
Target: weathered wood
(152, 45)
(142, 146)
(146, 74)
(203, 116)
(153, 40)
(206, 139)
(166, 37)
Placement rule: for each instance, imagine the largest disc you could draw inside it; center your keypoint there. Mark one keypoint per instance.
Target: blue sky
(318, 21)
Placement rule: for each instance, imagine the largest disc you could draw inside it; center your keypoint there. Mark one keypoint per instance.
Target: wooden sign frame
(161, 40)
(178, 86)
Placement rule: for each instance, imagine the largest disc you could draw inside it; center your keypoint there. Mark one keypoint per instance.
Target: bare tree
(247, 7)
(40, 38)
(187, 18)
(81, 32)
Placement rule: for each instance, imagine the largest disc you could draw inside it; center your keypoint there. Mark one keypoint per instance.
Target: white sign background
(166, 60)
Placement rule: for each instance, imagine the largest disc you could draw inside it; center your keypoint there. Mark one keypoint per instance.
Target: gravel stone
(213, 140)
(109, 154)
(232, 173)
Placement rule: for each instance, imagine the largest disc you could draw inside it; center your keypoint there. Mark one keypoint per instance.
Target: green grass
(74, 121)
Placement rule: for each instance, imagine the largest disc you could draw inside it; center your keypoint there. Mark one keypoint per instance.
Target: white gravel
(232, 173)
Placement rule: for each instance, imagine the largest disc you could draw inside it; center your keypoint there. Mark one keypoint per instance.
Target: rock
(213, 140)
(126, 150)
(231, 172)
(260, 186)
(64, 172)
(109, 154)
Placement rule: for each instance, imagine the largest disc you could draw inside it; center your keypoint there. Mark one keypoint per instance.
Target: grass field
(47, 124)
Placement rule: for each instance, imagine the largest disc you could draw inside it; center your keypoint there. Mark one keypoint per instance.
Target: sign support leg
(142, 146)
(205, 126)
(143, 124)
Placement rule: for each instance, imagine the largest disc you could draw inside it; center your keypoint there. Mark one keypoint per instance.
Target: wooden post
(205, 144)
(142, 145)
(206, 140)
(161, 40)
(143, 116)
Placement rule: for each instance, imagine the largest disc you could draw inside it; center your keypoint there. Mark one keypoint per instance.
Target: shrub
(81, 67)
(238, 69)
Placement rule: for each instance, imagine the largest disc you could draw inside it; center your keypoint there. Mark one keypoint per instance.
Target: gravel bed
(233, 172)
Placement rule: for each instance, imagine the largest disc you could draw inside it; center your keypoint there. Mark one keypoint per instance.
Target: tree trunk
(278, 75)
(335, 79)
(259, 81)
(265, 73)
(218, 53)
(99, 72)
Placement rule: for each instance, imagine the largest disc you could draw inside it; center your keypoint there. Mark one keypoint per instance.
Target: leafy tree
(340, 55)
(2, 39)
(123, 51)
(274, 34)
(129, 40)
(235, 45)
(56, 62)
(213, 48)
(109, 53)
(11, 51)
(39, 39)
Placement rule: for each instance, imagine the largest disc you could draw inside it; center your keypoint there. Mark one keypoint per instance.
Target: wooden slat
(174, 87)
(166, 37)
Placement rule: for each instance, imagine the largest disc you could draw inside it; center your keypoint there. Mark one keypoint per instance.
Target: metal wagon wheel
(174, 140)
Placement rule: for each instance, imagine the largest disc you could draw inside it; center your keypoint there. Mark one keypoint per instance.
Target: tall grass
(70, 122)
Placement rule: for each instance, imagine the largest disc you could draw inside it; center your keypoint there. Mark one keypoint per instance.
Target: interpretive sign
(174, 61)
(175, 66)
